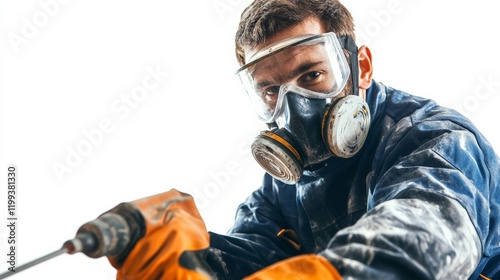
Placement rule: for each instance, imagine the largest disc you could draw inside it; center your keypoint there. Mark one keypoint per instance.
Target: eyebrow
(300, 69)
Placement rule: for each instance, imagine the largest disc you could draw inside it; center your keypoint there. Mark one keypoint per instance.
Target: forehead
(309, 26)
(285, 63)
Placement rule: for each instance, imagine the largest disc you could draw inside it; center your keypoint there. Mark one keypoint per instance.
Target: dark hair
(264, 18)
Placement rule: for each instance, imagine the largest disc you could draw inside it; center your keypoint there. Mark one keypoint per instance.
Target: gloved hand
(304, 267)
(173, 246)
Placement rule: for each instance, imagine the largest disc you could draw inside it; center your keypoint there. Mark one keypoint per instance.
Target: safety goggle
(313, 66)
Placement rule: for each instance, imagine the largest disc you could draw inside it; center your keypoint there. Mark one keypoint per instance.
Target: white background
(192, 132)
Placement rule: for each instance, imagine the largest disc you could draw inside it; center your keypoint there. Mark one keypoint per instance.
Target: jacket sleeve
(428, 208)
(252, 243)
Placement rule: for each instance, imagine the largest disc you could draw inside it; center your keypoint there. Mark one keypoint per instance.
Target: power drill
(113, 234)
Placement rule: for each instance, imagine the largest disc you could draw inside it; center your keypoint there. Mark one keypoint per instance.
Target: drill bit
(34, 262)
(83, 242)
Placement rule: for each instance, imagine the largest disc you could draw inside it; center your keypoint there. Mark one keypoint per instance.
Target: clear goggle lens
(313, 66)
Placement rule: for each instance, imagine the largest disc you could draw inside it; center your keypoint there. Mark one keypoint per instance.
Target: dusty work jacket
(421, 200)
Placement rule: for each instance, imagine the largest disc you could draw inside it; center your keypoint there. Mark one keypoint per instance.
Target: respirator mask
(296, 87)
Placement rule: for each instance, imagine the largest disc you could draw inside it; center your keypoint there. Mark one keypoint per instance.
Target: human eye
(317, 80)
(312, 76)
(269, 91)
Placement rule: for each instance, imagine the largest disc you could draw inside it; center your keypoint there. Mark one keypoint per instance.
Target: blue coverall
(421, 200)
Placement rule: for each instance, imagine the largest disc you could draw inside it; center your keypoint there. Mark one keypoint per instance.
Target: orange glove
(173, 245)
(304, 267)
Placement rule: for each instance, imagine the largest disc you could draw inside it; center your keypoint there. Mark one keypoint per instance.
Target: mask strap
(348, 44)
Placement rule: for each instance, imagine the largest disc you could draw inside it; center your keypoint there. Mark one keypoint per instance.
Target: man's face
(306, 66)
(294, 80)
(297, 66)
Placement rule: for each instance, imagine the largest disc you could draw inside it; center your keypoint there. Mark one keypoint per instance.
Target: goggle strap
(348, 44)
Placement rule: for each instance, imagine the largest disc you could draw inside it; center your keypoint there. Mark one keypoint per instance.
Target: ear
(365, 67)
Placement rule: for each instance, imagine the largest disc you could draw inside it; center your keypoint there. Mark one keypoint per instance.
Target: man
(363, 181)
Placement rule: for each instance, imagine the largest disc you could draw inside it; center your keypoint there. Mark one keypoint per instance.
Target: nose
(307, 109)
